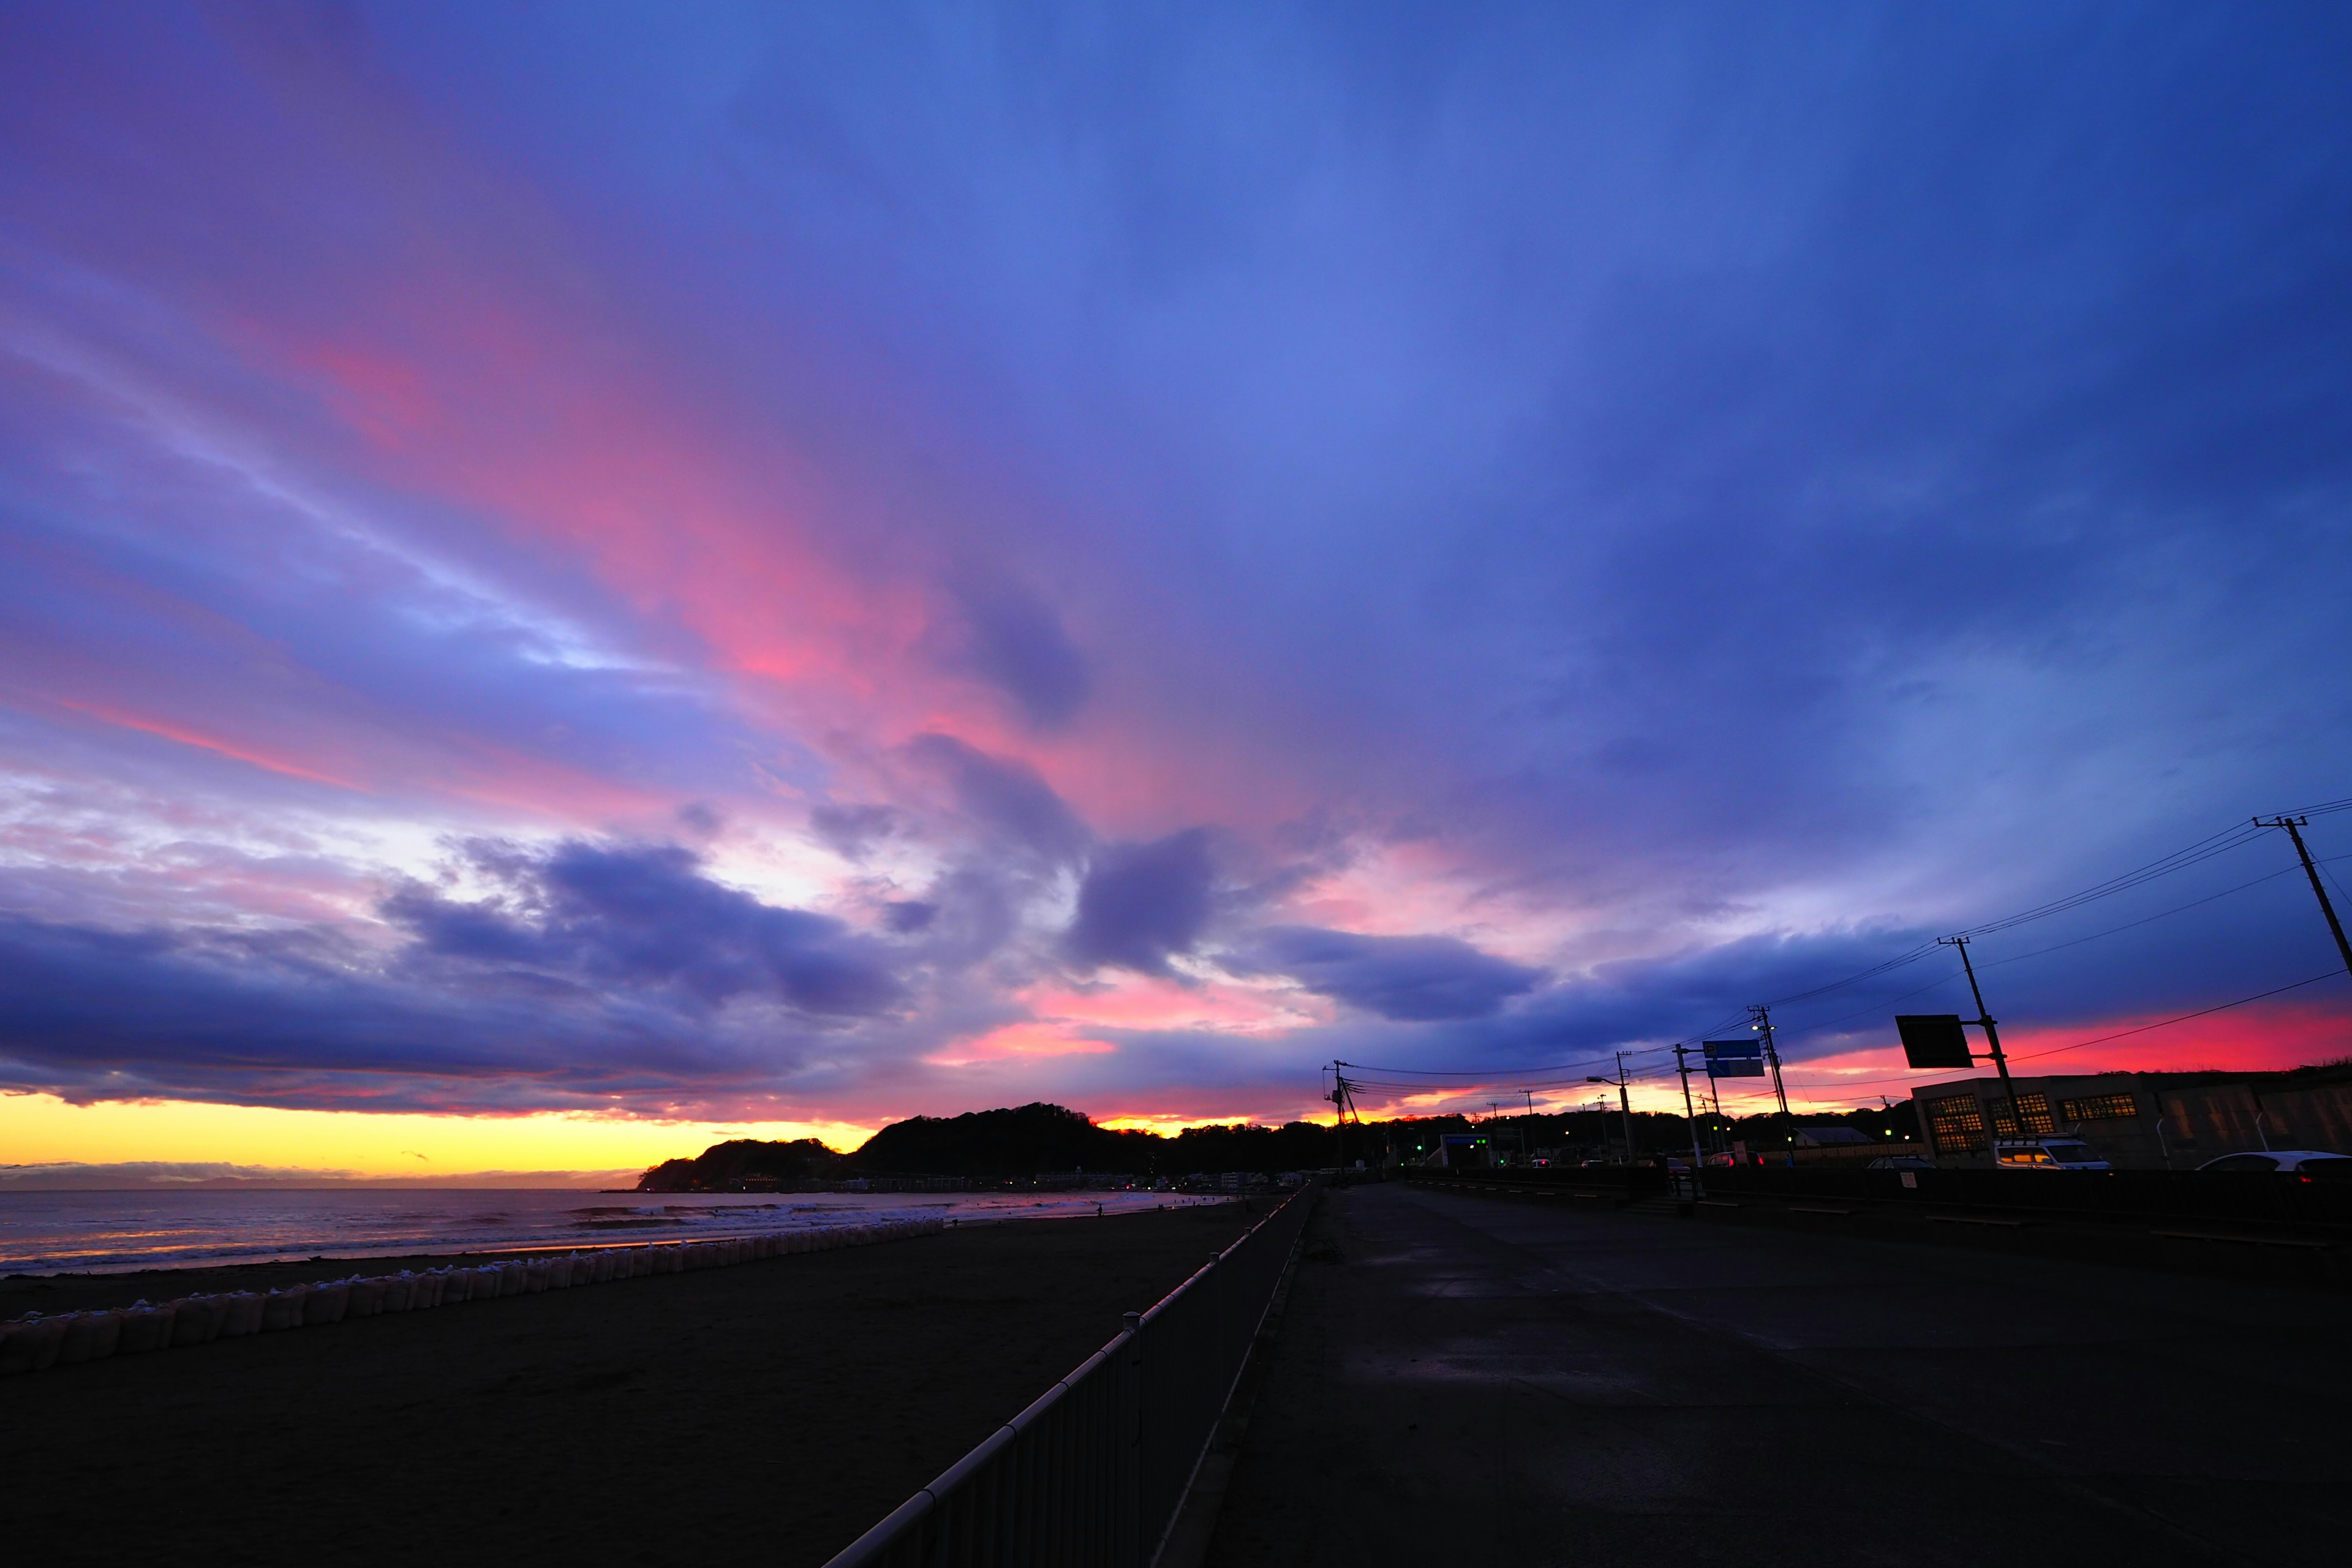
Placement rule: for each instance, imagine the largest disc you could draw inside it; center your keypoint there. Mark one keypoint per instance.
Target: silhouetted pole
(1623, 1100)
(1690, 1114)
(1339, 1111)
(1984, 1021)
(1763, 1025)
(2333, 925)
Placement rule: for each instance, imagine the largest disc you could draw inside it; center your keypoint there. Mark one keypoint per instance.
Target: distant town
(2121, 1121)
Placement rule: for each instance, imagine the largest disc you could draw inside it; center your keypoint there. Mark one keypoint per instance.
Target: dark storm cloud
(643, 916)
(595, 970)
(295, 1020)
(1143, 904)
(1011, 638)
(1403, 977)
(1006, 797)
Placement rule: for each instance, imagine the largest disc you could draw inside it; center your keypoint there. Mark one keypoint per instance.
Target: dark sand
(766, 1412)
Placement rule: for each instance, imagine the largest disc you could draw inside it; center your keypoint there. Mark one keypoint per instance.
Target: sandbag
(283, 1309)
(196, 1320)
(456, 1285)
(326, 1303)
(399, 1291)
(514, 1278)
(366, 1299)
(144, 1328)
(31, 1344)
(88, 1336)
(559, 1272)
(428, 1295)
(605, 1265)
(240, 1315)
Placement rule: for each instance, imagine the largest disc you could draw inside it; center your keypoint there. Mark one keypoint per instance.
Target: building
(2145, 1121)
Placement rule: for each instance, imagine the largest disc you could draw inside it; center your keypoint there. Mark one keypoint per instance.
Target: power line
(2179, 861)
(2119, 1033)
(1383, 1081)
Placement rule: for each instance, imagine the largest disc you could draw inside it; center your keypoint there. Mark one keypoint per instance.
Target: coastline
(108, 1231)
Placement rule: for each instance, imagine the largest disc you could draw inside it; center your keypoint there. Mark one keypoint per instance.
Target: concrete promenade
(1463, 1379)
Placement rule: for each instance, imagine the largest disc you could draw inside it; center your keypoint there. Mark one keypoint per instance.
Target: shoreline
(603, 1235)
(66, 1290)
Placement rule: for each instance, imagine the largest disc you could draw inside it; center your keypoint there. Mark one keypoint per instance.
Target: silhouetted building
(2145, 1121)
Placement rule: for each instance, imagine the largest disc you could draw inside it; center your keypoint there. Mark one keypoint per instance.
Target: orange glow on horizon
(559, 1149)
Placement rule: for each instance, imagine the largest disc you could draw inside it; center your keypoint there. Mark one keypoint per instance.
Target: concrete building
(2145, 1121)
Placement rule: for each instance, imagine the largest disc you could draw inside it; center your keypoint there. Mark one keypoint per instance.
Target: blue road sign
(1734, 1058)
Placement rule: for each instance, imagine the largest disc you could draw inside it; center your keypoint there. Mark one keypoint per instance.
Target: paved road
(1474, 1380)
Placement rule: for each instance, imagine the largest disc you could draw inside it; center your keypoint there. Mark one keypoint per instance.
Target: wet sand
(777, 1408)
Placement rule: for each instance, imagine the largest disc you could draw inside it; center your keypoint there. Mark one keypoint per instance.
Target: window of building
(1954, 1124)
(2035, 1107)
(2099, 1108)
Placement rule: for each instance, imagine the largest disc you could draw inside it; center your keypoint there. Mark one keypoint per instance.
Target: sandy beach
(777, 1408)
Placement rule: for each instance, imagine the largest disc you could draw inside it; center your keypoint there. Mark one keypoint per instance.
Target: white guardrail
(1093, 1473)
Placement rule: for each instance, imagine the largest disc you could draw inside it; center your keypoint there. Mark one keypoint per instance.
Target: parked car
(1901, 1162)
(2311, 1164)
(2046, 1155)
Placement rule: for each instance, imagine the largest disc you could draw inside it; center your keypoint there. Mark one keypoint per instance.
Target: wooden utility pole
(1690, 1114)
(1984, 1020)
(2334, 926)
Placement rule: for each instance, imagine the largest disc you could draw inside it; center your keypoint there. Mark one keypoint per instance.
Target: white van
(2046, 1155)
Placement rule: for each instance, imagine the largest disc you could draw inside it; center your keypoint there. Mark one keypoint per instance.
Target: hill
(993, 1145)
(744, 1163)
(1022, 1142)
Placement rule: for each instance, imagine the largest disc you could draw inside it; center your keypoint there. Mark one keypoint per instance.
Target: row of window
(1956, 1123)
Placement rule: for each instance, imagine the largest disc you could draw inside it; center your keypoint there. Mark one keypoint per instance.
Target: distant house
(1824, 1137)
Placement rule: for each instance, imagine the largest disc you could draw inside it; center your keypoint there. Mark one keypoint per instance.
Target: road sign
(1735, 1058)
(1933, 1040)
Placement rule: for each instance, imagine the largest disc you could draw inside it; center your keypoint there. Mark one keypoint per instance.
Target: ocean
(110, 1232)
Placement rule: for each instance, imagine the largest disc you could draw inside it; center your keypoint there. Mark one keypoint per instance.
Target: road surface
(1462, 1379)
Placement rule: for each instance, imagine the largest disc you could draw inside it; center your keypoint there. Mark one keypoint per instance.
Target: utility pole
(1984, 1020)
(1340, 1101)
(1690, 1115)
(2336, 926)
(1624, 1102)
(1763, 1025)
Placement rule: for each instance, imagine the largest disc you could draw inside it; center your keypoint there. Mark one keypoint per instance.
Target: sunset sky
(579, 579)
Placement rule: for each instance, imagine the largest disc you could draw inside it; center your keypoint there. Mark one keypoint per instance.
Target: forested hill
(1017, 1143)
(726, 1166)
(1023, 1141)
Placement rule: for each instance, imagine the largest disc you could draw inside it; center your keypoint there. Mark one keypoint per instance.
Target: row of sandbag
(32, 1343)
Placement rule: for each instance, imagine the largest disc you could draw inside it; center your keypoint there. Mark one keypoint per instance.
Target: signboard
(1933, 1040)
(1734, 1058)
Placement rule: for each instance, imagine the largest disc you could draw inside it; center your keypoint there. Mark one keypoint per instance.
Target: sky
(577, 579)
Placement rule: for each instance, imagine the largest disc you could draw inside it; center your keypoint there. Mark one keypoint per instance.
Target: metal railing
(1091, 1475)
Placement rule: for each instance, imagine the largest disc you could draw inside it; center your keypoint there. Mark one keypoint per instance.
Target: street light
(1624, 1102)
